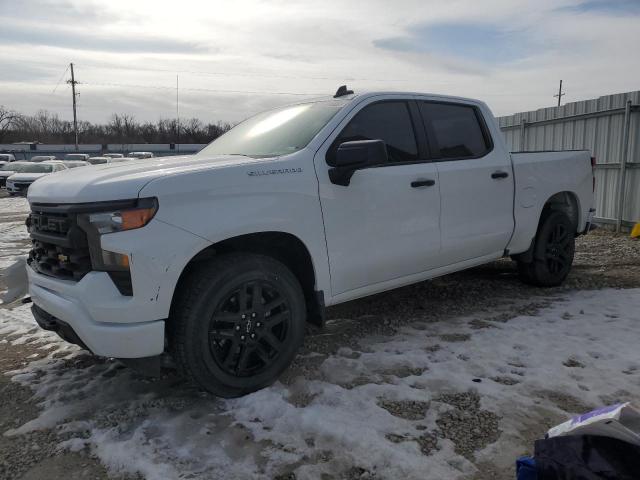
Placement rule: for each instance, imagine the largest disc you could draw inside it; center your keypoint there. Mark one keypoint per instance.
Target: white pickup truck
(218, 259)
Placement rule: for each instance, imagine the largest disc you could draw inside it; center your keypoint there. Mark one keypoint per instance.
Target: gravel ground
(487, 295)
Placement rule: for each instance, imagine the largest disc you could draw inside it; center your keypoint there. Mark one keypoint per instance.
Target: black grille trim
(64, 244)
(59, 246)
(122, 281)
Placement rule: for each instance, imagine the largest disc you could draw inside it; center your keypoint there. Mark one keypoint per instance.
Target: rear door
(384, 225)
(476, 181)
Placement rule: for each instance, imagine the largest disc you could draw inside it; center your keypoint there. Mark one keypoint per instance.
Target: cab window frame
(423, 149)
(432, 139)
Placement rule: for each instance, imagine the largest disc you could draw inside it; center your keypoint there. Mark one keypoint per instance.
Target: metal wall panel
(601, 133)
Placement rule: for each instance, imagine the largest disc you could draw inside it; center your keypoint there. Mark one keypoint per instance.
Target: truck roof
(373, 93)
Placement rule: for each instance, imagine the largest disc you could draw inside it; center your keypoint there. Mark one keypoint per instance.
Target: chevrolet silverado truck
(217, 260)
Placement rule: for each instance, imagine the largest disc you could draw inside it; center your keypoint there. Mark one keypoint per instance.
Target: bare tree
(8, 119)
(47, 127)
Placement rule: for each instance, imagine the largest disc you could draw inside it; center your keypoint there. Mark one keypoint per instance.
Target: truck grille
(22, 186)
(60, 248)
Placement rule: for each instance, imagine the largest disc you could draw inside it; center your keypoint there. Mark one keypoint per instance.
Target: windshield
(36, 168)
(97, 161)
(276, 132)
(74, 156)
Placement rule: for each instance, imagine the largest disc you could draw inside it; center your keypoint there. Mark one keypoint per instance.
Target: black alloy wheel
(553, 251)
(248, 330)
(558, 249)
(236, 323)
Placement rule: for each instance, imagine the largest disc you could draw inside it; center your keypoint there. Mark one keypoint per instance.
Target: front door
(385, 224)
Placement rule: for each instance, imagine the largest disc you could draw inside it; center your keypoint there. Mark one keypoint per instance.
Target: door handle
(423, 183)
(499, 175)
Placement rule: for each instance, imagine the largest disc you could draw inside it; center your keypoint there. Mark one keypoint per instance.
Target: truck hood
(119, 181)
(27, 177)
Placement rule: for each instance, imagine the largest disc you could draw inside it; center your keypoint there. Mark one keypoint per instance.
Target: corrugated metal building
(609, 127)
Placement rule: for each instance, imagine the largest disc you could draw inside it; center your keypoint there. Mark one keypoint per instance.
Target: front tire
(237, 323)
(553, 252)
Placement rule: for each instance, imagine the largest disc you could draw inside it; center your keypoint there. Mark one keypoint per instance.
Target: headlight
(115, 217)
(123, 219)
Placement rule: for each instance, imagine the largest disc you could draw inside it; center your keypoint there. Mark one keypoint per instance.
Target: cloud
(615, 7)
(475, 42)
(52, 11)
(87, 39)
(510, 53)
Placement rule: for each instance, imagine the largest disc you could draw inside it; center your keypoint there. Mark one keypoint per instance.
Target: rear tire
(237, 323)
(553, 252)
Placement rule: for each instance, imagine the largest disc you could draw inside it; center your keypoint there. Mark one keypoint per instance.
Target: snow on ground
(455, 380)
(13, 232)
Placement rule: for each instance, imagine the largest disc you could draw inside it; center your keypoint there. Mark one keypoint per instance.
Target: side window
(455, 130)
(387, 121)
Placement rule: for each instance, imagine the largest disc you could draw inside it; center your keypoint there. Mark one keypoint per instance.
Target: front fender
(226, 203)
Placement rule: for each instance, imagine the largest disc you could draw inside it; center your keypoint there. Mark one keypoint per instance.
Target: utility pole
(560, 94)
(73, 92)
(177, 118)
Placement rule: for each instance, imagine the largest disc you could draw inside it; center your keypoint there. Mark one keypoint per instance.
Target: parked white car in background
(75, 163)
(103, 160)
(113, 155)
(140, 155)
(218, 259)
(98, 160)
(77, 156)
(9, 169)
(42, 158)
(121, 159)
(19, 182)
(7, 157)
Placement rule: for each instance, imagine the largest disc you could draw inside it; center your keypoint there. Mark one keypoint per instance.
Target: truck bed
(540, 175)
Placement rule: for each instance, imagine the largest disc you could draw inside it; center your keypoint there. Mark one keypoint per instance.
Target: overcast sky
(234, 56)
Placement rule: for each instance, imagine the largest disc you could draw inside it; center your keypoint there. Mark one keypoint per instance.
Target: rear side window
(387, 121)
(455, 131)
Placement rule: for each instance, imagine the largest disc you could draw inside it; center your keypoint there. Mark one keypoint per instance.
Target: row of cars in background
(17, 176)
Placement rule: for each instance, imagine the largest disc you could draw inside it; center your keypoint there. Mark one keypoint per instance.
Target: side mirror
(352, 156)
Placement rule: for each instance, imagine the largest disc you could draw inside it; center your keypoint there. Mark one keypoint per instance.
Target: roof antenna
(342, 91)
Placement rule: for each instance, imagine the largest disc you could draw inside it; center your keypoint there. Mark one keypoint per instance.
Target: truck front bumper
(70, 309)
(18, 188)
(106, 321)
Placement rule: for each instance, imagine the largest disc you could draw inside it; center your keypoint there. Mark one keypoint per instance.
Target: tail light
(593, 172)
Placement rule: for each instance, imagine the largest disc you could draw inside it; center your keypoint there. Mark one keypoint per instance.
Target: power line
(165, 87)
(60, 79)
(246, 74)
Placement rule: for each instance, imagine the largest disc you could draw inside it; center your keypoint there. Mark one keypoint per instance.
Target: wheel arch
(565, 201)
(282, 246)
